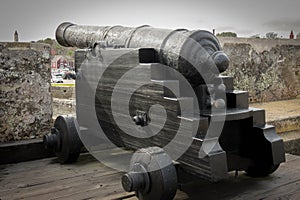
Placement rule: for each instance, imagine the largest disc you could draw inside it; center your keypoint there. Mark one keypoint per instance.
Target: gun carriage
(160, 92)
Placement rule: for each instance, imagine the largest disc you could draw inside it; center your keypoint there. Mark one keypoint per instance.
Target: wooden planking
(89, 179)
(55, 181)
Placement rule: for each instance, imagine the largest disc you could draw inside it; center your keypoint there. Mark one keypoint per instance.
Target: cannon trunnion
(166, 100)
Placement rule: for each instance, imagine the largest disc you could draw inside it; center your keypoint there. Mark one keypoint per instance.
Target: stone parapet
(25, 96)
(268, 68)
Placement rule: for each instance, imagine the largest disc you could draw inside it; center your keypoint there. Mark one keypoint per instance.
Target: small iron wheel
(152, 175)
(64, 139)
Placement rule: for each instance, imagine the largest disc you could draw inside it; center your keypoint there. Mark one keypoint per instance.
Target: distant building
(53, 52)
(292, 35)
(16, 36)
(60, 62)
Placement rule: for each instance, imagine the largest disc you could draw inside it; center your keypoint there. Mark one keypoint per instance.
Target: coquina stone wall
(25, 97)
(268, 68)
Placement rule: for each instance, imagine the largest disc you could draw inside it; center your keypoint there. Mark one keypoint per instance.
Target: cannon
(158, 95)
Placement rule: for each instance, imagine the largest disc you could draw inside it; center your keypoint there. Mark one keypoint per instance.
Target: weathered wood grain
(89, 179)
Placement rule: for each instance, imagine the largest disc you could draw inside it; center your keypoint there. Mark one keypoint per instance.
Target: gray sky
(38, 19)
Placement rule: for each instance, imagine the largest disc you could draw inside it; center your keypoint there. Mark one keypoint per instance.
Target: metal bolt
(137, 120)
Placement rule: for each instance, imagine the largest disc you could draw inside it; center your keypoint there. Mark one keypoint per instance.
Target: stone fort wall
(25, 96)
(268, 68)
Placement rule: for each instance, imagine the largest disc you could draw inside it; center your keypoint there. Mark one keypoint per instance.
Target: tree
(271, 35)
(47, 41)
(70, 53)
(227, 34)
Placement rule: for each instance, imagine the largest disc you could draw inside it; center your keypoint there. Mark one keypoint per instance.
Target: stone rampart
(268, 68)
(25, 96)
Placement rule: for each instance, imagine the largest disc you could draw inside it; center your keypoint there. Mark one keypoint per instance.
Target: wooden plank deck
(89, 179)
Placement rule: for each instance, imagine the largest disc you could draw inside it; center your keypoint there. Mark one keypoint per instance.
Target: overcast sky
(37, 19)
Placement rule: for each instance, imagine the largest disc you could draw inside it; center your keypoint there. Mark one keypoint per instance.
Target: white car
(57, 79)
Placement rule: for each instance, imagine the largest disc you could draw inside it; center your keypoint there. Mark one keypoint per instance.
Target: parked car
(57, 79)
(70, 75)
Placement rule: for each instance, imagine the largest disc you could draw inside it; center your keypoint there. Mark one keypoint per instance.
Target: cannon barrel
(180, 49)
